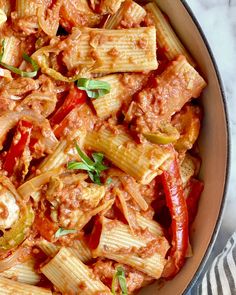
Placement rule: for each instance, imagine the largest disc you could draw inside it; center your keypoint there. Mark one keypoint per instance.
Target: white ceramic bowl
(214, 150)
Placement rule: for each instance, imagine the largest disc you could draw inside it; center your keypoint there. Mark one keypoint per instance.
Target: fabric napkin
(220, 278)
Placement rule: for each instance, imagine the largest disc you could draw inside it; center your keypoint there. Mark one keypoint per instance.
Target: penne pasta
(9, 287)
(128, 249)
(141, 161)
(167, 39)
(109, 51)
(70, 275)
(23, 273)
(122, 89)
(129, 15)
(181, 81)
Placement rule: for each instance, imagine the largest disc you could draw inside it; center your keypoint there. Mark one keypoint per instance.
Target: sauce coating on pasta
(99, 118)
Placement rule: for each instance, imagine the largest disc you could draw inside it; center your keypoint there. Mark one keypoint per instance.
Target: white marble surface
(218, 21)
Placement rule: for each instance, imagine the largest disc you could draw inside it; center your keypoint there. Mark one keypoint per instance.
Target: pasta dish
(99, 121)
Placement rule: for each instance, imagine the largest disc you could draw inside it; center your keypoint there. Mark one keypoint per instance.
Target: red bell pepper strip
(176, 203)
(20, 140)
(195, 190)
(74, 98)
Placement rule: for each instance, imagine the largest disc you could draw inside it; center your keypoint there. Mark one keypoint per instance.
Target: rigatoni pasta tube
(12, 50)
(26, 7)
(138, 160)
(71, 276)
(166, 37)
(114, 240)
(79, 249)
(48, 248)
(23, 272)
(123, 86)
(9, 287)
(110, 51)
(155, 105)
(151, 225)
(129, 15)
(110, 6)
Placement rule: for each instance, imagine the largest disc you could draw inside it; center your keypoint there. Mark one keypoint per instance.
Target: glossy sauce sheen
(98, 160)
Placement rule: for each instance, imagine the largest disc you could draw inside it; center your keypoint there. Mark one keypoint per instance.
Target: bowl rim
(228, 156)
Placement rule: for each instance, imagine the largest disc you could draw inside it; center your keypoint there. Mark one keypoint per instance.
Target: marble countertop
(218, 21)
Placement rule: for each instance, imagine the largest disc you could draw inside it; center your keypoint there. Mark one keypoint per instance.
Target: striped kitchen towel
(220, 279)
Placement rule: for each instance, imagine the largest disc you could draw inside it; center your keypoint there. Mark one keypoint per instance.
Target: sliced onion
(14, 97)
(50, 24)
(34, 184)
(46, 102)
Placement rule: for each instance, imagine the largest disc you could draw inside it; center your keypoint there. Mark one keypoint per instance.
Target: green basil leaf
(62, 232)
(84, 157)
(16, 70)
(109, 181)
(94, 168)
(98, 157)
(100, 167)
(120, 276)
(77, 165)
(2, 49)
(94, 88)
(30, 60)
(122, 280)
(94, 94)
(96, 178)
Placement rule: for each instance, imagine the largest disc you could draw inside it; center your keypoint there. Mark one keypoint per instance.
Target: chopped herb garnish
(94, 88)
(62, 232)
(2, 49)
(94, 167)
(109, 181)
(17, 71)
(120, 276)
